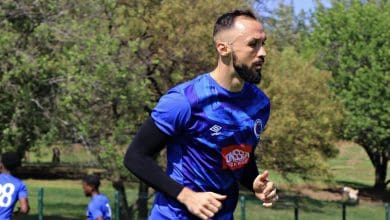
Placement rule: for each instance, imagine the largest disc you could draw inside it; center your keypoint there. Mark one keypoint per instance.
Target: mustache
(260, 61)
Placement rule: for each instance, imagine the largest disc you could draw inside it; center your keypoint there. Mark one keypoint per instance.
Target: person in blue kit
(12, 189)
(99, 206)
(211, 126)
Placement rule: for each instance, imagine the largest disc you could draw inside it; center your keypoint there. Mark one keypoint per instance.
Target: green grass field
(64, 199)
(310, 209)
(350, 168)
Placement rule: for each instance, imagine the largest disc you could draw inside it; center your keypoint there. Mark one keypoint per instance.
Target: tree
(90, 71)
(28, 86)
(304, 116)
(351, 39)
(285, 28)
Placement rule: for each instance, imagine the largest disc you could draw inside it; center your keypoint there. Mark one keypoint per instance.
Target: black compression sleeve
(139, 159)
(250, 173)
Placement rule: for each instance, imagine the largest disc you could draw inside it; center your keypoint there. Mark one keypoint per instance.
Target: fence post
(242, 203)
(117, 206)
(296, 209)
(40, 203)
(387, 210)
(344, 210)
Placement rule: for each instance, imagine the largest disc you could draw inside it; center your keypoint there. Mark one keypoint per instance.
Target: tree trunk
(380, 175)
(124, 207)
(379, 161)
(142, 202)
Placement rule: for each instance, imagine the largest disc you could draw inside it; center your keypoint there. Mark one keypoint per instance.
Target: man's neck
(227, 78)
(5, 172)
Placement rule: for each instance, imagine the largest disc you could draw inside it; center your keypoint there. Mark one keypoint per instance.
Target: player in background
(12, 189)
(99, 205)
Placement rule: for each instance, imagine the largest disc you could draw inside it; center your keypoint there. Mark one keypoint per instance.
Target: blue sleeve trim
(22, 192)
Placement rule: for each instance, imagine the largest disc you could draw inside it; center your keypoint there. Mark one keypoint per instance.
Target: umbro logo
(216, 130)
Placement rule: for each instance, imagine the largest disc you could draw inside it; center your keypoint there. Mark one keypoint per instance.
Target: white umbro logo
(216, 130)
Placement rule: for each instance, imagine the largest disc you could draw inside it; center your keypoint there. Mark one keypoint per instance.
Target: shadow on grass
(58, 211)
(353, 184)
(46, 217)
(69, 206)
(288, 201)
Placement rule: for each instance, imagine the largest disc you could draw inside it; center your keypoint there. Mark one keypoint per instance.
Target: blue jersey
(11, 190)
(214, 132)
(99, 206)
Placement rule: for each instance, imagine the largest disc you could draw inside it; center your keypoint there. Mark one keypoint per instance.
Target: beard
(246, 73)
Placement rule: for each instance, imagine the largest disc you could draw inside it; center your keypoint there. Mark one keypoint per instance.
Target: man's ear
(223, 48)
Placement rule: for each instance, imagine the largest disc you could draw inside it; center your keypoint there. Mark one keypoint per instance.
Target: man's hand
(265, 190)
(202, 204)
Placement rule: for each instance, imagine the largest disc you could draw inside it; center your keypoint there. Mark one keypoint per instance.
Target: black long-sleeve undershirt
(250, 173)
(149, 141)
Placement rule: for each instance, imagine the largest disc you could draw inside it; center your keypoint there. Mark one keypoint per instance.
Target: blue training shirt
(214, 132)
(11, 190)
(99, 206)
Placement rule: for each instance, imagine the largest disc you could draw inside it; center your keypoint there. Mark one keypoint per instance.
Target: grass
(69, 154)
(350, 168)
(353, 167)
(310, 209)
(64, 199)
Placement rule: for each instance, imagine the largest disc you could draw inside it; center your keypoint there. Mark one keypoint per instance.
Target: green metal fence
(344, 205)
(40, 204)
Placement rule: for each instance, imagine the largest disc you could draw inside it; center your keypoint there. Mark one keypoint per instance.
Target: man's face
(248, 53)
(87, 189)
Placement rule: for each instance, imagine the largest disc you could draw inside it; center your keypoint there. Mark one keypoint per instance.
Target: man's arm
(24, 206)
(139, 159)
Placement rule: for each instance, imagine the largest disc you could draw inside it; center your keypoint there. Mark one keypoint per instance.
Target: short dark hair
(92, 180)
(226, 20)
(10, 160)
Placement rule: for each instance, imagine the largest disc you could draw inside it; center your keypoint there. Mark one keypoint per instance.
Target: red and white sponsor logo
(236, 156)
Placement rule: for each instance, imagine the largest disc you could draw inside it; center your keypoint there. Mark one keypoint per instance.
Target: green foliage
(89, 72)
(351, 39)
(285, 28)
(177, 40)
(27, 90)
(304, 116)
(104, 93)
